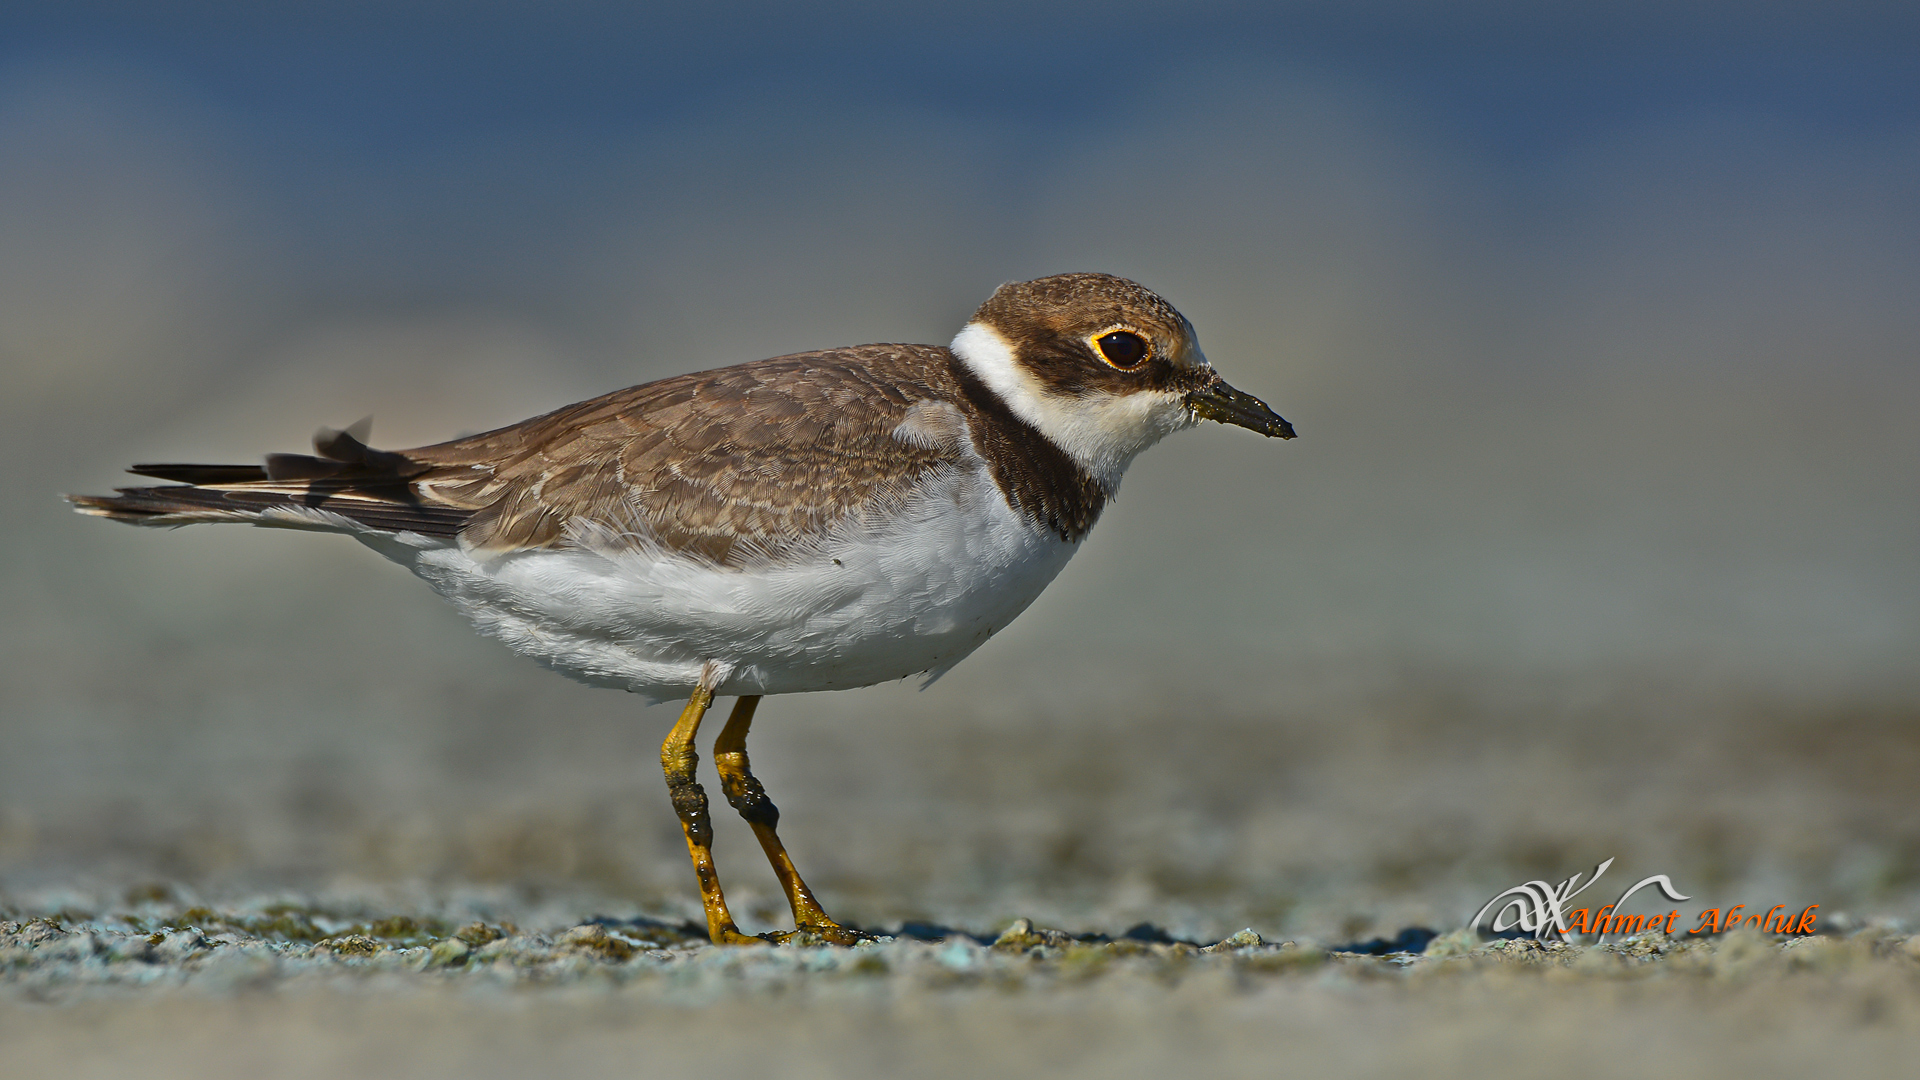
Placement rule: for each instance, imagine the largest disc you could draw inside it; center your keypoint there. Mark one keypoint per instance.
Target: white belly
(914, 593)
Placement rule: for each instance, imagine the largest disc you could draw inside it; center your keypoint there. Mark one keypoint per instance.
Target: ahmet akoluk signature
(1540, 908)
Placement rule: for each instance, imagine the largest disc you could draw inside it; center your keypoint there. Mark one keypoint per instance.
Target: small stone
(448, 952)
(1245, 940)
(174, 946)
(1287, 956)
(592, 937)
(355, 946)
(78, 945)
(37, 931)
(477, 934)
(585, 934)
(1022, 935)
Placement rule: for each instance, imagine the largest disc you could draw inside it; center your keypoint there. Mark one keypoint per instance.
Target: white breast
(913, 591)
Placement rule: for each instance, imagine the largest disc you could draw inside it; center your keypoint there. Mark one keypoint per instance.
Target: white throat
(1102, 432)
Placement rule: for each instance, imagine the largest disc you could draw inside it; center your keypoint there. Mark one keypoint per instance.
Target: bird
(817, 521)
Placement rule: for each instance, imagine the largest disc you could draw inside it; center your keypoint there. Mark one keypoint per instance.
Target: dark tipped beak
(1220, 402)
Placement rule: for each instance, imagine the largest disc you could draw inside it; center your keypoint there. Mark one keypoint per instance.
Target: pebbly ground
(276, 987)
(511, 905)
(183, 913)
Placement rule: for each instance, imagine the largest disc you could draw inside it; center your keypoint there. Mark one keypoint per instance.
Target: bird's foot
(819, 934)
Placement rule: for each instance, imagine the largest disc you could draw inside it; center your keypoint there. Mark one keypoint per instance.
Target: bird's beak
(1220, 402)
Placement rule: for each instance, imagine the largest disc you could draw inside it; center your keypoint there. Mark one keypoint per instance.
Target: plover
(817, 521)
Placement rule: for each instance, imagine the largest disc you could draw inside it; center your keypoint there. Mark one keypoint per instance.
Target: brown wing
(723, 464)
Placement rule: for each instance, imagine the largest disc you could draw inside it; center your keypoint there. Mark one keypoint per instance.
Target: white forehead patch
(1102, 432)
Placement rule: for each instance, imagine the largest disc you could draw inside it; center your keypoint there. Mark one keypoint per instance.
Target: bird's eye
(1122, 348)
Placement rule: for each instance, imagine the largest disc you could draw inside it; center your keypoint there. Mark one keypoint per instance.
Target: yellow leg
(745, 794)
(678, 760)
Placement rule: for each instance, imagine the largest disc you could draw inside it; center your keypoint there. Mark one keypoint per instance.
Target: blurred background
(1600, 538)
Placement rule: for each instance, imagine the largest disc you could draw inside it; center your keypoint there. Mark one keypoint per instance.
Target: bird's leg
(678, 759)
(745, 794)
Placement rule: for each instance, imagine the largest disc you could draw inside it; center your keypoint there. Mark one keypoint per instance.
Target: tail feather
(315, 508)
(201, 474)
(146, 506)
(346, 479)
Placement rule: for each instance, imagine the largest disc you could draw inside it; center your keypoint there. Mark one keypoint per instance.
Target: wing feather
(738, 463)
(757, 458)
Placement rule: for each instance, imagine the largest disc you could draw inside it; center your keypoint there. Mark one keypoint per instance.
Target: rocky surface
(278, 988)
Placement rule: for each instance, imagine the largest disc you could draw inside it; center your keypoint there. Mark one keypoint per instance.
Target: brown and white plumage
(634, 537)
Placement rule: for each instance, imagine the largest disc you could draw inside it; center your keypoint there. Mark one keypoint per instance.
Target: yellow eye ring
(1122, 347)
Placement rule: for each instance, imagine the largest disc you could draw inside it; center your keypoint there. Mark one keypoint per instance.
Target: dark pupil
(1123, 349)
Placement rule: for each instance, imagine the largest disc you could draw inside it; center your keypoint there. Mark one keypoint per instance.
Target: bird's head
(1102, 367)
